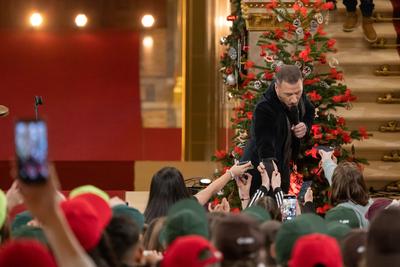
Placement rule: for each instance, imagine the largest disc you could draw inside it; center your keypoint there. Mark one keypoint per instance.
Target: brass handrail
(380, 18)
(388, 99)
(393, 156)
(385, 70)
(390, 126)
(382, 43)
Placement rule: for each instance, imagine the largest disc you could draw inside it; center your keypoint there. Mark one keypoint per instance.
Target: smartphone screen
(31, 150)
(288, 208)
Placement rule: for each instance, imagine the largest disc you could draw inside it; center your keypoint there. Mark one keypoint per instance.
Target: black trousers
(366, 6)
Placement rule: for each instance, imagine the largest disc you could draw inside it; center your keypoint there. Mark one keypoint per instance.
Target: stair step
(367, 62)
(368, 90)
(369, 125)
(371, 111)
(355, 39)
(376, 146)
(378, 173)
(369, 115)
(379, 170)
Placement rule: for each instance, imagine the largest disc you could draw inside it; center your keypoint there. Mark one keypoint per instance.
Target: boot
(368, 29)
(351, 22)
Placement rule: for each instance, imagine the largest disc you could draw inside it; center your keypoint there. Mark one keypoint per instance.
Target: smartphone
(31, 149)
(288, 208)
(303, 190)
(269, 166)
(245, 162)
(325, 148)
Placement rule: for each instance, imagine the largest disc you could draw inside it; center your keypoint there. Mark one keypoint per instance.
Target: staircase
(361, 63)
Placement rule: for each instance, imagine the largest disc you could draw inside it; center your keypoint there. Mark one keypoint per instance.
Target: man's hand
(300, 130)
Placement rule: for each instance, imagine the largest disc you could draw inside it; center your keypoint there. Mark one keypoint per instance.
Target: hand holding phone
(303, 190)
(289, 208)
(269, 165)
(245, 162)
(31, 150)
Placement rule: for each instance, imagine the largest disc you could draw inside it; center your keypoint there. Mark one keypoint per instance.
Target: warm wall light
(36, 19)
(148, 21)
(148, 41)
(81, 20)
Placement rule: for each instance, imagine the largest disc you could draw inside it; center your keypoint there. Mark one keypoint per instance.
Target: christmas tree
(300, 40)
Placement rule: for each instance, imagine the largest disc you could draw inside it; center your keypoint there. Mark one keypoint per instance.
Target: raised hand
(238, 170)
(276, 177)
(265, 180)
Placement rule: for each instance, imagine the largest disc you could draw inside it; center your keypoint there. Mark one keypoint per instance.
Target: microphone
(294, 115)
(38, 102)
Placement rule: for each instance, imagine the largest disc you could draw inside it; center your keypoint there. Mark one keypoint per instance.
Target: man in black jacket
(282, 117)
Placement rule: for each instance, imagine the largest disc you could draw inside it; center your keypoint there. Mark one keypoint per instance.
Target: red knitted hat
(190, 250)
(314, 249)
(24, 252)
(101, 207)
(87, 215)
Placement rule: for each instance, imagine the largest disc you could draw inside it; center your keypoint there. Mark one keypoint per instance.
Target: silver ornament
(231, 79)
(297, 22)
(313, 25)
(333, 62)
(257, 85)
(324, 84)
(319, 17)
(307, 71)
(298, 64)
(223, 40)
(279, 63)
(232, 53)
(300, 32)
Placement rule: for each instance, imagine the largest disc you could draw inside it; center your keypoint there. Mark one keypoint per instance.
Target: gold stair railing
(390, 126)
(383, 43)
(393, 156)
(385, 70)
(378, 17)
(388, 99)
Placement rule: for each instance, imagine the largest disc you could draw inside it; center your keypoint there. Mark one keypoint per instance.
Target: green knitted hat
(258, 213)
(131, 213)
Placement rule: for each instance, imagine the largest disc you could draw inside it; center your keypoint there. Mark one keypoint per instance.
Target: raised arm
(42, 202)
(235, 171)
(328, 164)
